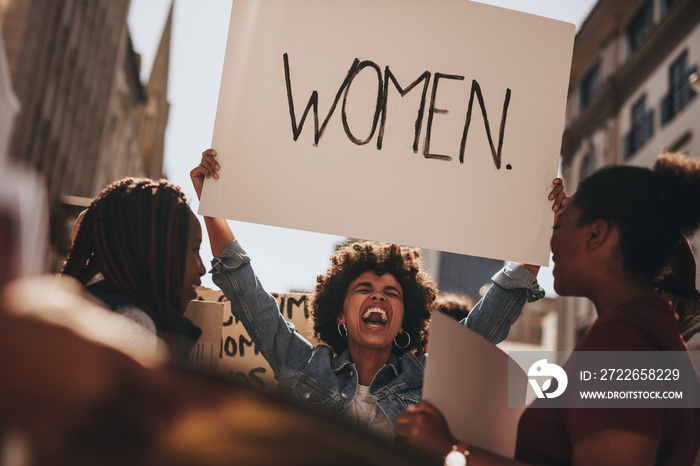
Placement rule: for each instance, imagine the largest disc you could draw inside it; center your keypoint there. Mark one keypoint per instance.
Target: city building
(535, 329)
(85, 118)
(632, 95)
(9, 106)
(470, 277)
(459, 273)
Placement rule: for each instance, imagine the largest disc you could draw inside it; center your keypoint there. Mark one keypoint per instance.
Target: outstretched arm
(283, 348)
(220, 234)
(423, 426)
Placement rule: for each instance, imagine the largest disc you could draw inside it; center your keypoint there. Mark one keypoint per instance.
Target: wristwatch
(458, 456)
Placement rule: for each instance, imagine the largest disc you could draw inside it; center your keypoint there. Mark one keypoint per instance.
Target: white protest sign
(432, 124)
(467, 378)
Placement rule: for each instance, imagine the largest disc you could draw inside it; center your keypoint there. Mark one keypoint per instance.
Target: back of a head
(678, 276)
(454, 305)
(676, 282)
(651, 208)
(135, 234)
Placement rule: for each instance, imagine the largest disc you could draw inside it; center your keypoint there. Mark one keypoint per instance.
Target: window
(642, 127)
(666, 5)
(587, 165)
(640, 25)
(680, 91)
(589, 84)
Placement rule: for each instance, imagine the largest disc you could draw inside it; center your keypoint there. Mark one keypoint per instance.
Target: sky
(284, 260)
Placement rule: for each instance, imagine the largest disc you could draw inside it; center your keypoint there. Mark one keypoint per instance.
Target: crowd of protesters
(96, 363)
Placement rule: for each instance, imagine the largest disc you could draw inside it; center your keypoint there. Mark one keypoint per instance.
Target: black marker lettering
(230, 346)
(476, 89)
(313, 102)
(243, 342)
(292, 303)
(431, 112)
(378, 108)
(389, 76)
(253, 376)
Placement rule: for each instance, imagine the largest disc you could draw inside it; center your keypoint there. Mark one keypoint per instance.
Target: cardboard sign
(239, 357)
(432, 124)
(209, 317)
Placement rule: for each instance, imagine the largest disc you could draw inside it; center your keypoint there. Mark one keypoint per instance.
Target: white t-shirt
(365, 413)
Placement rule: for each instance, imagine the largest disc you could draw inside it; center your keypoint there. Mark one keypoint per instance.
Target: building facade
(82, 104)
(468, 277)
(459, 273)
(631, 96)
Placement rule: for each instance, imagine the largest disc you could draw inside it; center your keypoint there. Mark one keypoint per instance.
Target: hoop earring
(343, 329)
(407, 343)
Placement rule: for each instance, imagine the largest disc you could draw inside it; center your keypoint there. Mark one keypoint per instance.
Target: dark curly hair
(349, 262)
(454, 305)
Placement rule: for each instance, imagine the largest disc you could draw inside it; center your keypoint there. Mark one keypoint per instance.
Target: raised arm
(220, 234)
(500, 307)
(283, 348)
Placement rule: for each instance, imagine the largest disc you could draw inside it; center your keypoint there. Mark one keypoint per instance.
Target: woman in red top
(609, 243)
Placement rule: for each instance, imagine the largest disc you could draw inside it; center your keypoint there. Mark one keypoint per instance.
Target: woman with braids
(370, 309)
(137, 250)
(609, 243)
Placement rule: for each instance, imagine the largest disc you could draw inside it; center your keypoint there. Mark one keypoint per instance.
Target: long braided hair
(135, 233)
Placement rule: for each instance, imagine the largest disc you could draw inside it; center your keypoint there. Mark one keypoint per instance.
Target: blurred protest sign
(239, 358)
(209, 317)
(447, 109)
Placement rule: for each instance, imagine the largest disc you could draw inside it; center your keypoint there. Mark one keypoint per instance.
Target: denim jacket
(315, 375)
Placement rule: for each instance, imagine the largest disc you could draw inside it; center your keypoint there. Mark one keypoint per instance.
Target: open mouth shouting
(373, 311)
(375, 317)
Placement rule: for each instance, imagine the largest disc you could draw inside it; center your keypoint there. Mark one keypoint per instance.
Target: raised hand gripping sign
(433, 124)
